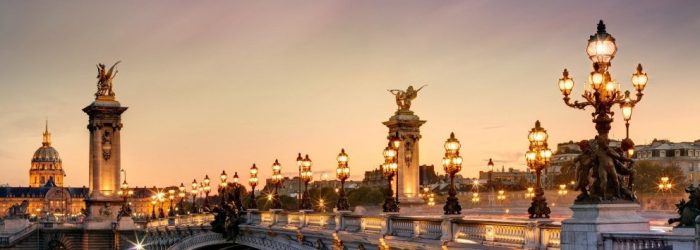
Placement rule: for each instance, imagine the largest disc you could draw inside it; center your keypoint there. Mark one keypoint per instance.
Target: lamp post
(171, 198)
(390, 168)
(475, 198)
(602, 93)
(237, 193)
(501, 196)
(253, 181)
(300, 165)
(207, 188)
(342, 173)
(182, 193)
(490, 181)
(306, 176)
(538, 157)
(395, 142)
(562, 190)
(223, 186)
(125, 192)
(161, 199)
(194, 192)
(452, 163)
(276, 181)
(153, 207)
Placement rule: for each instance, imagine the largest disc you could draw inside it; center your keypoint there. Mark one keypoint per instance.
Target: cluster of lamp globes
(538, 154)
(452, 162)
(562, 190)
(665, 184)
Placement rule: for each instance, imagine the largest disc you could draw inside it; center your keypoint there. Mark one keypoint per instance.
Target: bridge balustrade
(528, 234)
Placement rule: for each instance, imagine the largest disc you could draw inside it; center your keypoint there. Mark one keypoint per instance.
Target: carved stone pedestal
(407, 125)
(102, 212)
(582, 231)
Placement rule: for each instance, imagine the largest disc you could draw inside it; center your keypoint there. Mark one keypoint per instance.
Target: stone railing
(182, 220)
(423, 231)
(10, 238)
(648, 240)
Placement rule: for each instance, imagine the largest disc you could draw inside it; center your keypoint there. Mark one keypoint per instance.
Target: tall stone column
(103, 202)
(407, 124)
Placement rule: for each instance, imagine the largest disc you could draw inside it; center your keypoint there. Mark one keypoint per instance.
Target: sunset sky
(214, 85)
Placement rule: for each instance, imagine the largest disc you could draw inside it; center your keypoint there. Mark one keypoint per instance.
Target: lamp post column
(452, 163)
(538, 156)
(342, 173)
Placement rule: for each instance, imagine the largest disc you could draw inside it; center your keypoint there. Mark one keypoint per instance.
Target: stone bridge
(311, 230)
(302, 230)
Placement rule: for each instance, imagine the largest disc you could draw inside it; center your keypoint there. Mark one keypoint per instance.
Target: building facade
(49, 199)
(374, 178)
(685, 155)
(46, 164)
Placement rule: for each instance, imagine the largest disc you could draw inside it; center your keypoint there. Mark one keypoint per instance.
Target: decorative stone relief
(106, 145)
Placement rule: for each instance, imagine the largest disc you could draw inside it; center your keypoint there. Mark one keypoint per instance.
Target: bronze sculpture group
(603, 173)
(404, 98)
(104, 80)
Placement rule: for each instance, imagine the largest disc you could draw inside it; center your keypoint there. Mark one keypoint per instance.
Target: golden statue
(104, 80)
(403, 98)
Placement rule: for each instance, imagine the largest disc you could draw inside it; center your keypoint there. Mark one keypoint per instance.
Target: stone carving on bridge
(689, 210)
(18, 210)
(104, 80)
(106, 145)
(106, 210)
(612, 173)
(404, 97)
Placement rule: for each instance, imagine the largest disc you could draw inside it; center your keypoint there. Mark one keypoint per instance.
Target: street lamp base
(452, 206)
(538, 208)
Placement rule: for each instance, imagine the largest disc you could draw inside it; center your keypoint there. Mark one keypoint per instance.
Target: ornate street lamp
(452, 163)
(253, 181)
(602, 93)
(194, 191)
(475, 198)
(300, 165)
(207, 188)
(223, 185)
(562, 190)
(390, 168)
(490, 182)
(395, 142)
(125, 192)
(538, 157)
(306, 176)
(182, 193)
(171, 197)
(342, 173)
(161, 199)
(501, 196)
(153, 207)
(276, 181)
(237, 193)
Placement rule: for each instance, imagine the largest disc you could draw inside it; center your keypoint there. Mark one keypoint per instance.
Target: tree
(364, 196)
(568, 174)
(649, 176)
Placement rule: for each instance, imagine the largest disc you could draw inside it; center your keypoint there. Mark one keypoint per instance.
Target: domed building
(46, 164)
